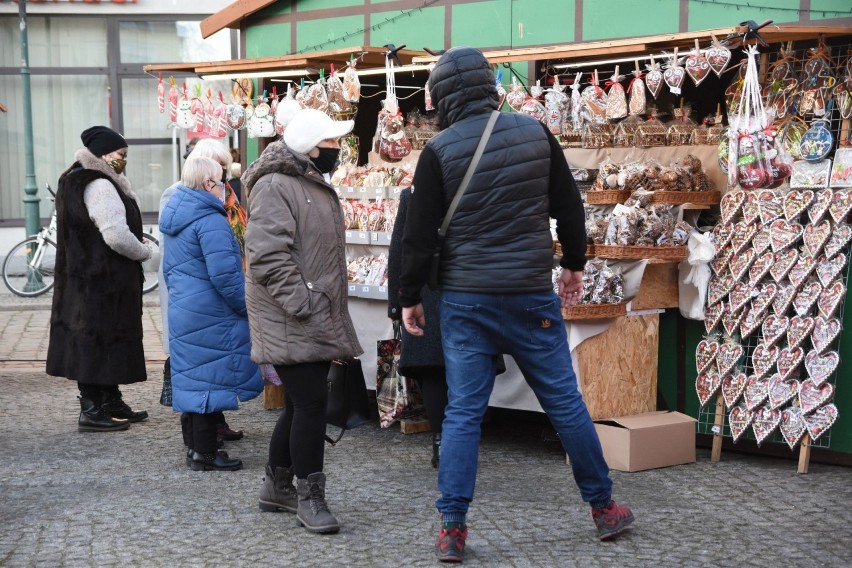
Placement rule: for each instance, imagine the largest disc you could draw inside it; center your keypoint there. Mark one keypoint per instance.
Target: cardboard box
(647, 441)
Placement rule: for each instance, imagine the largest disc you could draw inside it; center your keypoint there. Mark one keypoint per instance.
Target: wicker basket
(607, 196)
(681, 197)
(638, 253)
(594, 311)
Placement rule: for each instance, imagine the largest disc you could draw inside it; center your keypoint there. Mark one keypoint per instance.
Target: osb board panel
(618, 368)
(273, 397)
(658, 288)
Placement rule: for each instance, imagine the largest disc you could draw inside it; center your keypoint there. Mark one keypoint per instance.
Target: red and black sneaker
(611, 520)
(450, 544)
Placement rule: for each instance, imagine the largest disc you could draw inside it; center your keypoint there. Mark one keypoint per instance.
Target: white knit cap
(286, 110)
(310, 127)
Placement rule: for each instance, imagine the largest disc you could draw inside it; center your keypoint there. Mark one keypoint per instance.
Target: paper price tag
(716, 430)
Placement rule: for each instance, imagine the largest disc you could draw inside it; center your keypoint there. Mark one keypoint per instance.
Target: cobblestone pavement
(128, 499)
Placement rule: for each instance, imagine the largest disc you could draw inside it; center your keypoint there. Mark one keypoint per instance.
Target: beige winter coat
(296, 287)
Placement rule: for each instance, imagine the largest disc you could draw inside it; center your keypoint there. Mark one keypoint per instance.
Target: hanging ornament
(697, 66)
(536, 91)
(516, 96)
(173, 99)
(636, 90)
(593, 102)
(718, 56)
(260, 123)
(337, 103)
(351, 83)
(817, 142)
(185, 118)
(556, 106)
(674, 74)
(221, 129)
(616, 101)
(654, 78)
(576, 118)
(501, 91)
(273, 103)
(816, 82)
(161, 92)
(210, 118)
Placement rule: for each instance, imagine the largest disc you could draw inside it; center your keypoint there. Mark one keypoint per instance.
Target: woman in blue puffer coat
(208, 327)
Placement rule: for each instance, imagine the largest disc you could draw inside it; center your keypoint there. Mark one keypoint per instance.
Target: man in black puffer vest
(495, 281)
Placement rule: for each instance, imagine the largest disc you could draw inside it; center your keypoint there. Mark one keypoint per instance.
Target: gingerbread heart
(751, 210)
(731, 320)
(760, 267)
(750, 322)
(731, 204)
(720, 261)
(825, 330)
(841, 204)
(784, 234)
(705, 354)
(789, 359)
(719, 287)
(727, 357)
(792, 425)
(740, 263)
(839, 238)
(763, 359)
(739, 296)
(697, 67)
(765, 421)
(806, 297)
(781, 391)
(827, 269)
(812, 395)
(741, 238)
(818, 209)
(800, 328)
(770, 206)
(739, 419)
(732, 387)
(654, 80)
(773, 328)
(673, 76)
(820, 421)
(786, 293)
(756, 391)
(815, 236)
(784, 261)
(718, 56)
(830, 298)
(761, 241)
(712, 316)
(722, 235)
(821, 366)
(764, 298)
(706, 385)
(795, 203)
(802, 269)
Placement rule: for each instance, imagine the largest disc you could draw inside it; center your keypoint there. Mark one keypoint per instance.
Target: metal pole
(31, 199)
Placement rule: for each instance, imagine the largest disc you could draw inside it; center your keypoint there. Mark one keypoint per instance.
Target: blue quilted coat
(208, 326)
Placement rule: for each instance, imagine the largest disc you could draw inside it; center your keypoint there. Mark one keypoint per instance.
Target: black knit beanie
(100, 140)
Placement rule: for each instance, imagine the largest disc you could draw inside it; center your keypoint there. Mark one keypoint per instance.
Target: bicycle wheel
(28, 270)
(151, 267)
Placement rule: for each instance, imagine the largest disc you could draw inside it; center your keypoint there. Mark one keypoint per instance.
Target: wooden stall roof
(231, 15)
(368, 58)
(643, 44)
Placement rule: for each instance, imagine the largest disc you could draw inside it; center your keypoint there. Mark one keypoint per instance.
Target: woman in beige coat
(296, 295)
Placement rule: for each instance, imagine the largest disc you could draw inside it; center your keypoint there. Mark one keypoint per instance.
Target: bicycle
(29, 267)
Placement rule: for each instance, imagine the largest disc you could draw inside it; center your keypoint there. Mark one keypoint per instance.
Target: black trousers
(299, 435)
(200, 431)
(98, 393)
(433, 384)
(186, 426)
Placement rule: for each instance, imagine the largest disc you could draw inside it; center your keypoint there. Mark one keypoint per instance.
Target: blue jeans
(529, 327)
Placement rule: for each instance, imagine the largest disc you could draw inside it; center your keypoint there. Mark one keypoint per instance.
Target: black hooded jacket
(499, 239)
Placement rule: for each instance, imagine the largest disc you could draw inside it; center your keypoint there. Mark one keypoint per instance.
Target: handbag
(435, 264)
(348, 406)
(397, 397)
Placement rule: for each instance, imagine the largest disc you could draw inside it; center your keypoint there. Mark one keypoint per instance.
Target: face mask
(118, 165)
(224, 177)
(326, 160)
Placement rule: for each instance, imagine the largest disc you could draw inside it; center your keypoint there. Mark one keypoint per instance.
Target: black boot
(117, 408)
(278, 492)
(94, 419)
(436, 449)
(217, 461)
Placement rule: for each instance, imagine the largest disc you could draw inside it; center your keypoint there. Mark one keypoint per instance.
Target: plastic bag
(694, 273)
(397, 397)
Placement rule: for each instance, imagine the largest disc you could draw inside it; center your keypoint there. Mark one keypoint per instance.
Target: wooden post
(718, 430)
(273, 397)
(804, 454)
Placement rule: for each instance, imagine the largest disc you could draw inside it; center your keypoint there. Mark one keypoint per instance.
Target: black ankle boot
(436, 449)
(117, 408)
(94, 419)
(217, 461)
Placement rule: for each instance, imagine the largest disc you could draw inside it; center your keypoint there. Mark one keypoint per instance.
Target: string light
(750, 5)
